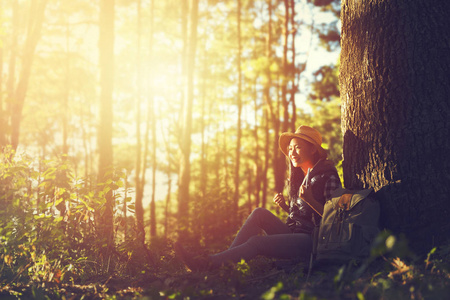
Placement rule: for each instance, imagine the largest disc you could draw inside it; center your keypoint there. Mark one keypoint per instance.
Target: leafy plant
(47, 219)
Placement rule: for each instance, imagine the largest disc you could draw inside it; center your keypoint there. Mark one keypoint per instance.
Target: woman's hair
(296, 176)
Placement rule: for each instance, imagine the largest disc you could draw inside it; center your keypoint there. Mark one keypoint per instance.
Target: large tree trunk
(395, 62)
(106, 45)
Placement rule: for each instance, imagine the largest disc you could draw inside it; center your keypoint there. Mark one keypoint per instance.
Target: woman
(312, 180)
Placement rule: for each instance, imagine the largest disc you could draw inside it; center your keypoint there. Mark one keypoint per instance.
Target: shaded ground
(261, 279)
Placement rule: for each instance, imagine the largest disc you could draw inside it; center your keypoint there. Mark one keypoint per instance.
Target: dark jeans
(279, 241)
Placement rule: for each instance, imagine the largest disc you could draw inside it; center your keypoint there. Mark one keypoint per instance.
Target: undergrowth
(51, 248)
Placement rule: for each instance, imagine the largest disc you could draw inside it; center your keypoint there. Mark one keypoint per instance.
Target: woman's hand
(307, 196)
(280, 201)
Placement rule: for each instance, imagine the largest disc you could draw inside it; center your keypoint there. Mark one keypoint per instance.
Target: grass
(384, 276)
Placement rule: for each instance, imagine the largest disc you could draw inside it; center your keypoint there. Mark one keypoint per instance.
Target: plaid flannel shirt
(332, 184)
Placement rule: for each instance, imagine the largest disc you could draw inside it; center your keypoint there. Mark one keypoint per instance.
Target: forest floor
(424, 278)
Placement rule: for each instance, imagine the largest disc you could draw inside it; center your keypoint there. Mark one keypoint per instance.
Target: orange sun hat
(306, 133)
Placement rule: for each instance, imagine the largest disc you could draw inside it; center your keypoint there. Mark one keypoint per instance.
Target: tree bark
(293, 72)
(250, 187)
(394, 84)
(3, 120)
(266, 160)
(185, 165)
(167, 204)
(239, 121)
(124, 208)
(269, 110)
(140, 171)
(5, 135)
(256, 158)
(65, 104)
(2, 112)
(277, 108)
(203, 155)
(279, 161)
(169, 184)
(106, 53)
(152, 117)
(285, 77)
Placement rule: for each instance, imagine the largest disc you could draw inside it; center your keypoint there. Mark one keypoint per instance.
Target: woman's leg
(260, 220)
(283, 246)
(247, 243)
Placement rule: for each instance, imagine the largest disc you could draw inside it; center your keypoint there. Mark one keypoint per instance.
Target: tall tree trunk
(239, 121)
(224, 156)
(256, 158)
(185, 165)
(167, 205)
(266, 159)
(140, 175)
(217, 180)
(124, 208)
(106, 52)
(169, 183)
(13, 50)
(5, 134)
(250, 178)
(85, 138)
(269, 111)
(285, 78)
(184, 54)
(2, 112)
(150, 126)
(394, 84)
(37, 13)
(293, 72)
(65, 108)
(279, 161)
(152, 117)
(203, 170)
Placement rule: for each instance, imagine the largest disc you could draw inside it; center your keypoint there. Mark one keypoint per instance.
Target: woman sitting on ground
(312, 180)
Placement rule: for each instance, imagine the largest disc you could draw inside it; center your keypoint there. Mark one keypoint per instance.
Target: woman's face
(301, 152)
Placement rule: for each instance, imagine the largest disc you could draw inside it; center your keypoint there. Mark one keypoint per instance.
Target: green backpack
(348, 226)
